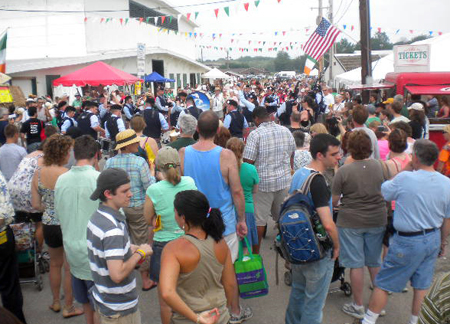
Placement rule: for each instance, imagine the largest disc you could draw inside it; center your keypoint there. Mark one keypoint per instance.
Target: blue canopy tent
(156, 77)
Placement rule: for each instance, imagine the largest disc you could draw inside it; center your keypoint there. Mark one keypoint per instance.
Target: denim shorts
(409, 259)
(155, 261)
(361, 247)
(252, 233)
(81, 290)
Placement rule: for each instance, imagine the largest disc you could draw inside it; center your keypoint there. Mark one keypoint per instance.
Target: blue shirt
(227, 121)
(127, 110)
(162, 120)
(139, 173)
(422, 199)
(120, 127)
(67, 124)
(204, 168)
(102, 110)
(245, 102)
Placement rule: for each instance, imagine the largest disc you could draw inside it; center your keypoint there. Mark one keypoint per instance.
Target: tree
(380, 41)
(405, 41)
(344, 46)
(282, 62)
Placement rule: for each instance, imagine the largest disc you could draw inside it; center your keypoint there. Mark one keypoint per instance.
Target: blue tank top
(204, 168)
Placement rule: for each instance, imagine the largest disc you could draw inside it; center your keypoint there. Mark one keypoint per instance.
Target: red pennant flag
(307, 29)
(232, 40)
(249, 42)
(216, 11)
(188, 16)
(411, 31)
(440, 33)
(287, 48)
(162, 19)
(141, 20)
(279, 1)
(246, 6)
(379, 29)
(121, 21)
(102, 20)
(353, 27)
(284, 33)
(85, 19)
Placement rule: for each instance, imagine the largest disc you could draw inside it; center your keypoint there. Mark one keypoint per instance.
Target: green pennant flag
(170, 19)
(147, 20)
(126, 21)
(176, 32)
(196, 15)
(108, 19)
(256, 3)
(227, 11)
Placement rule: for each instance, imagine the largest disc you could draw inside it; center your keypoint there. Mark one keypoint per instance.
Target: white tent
(440, 47)
(215, 74)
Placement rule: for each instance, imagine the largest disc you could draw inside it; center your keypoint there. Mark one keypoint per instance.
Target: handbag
(250, 273)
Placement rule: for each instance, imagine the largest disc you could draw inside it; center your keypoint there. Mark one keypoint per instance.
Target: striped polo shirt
(108, 239)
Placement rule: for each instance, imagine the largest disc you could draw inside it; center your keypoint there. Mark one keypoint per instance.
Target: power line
(106, 11)
(339, 8)
(348, 7)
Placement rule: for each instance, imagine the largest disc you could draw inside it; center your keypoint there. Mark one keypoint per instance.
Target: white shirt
(328, 100)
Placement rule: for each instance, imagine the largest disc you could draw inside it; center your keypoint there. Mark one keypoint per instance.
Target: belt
(423, 232)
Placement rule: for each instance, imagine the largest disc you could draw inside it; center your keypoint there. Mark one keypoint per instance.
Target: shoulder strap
(386, 171)
(307, 183)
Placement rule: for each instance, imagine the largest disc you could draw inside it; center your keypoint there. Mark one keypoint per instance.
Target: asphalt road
(267, 310)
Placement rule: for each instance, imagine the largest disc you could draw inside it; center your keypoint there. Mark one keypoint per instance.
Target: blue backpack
(302, 238)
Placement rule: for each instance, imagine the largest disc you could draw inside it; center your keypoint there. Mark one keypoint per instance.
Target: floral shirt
(301, 159)
(19, 185)
(6, 207)
(48, 199)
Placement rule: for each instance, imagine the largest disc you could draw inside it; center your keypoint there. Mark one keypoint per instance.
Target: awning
(370, 87)
(440, 89)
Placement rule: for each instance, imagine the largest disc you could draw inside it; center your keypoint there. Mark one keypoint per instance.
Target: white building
(51, 38)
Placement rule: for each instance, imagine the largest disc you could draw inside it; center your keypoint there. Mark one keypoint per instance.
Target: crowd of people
(114, 183)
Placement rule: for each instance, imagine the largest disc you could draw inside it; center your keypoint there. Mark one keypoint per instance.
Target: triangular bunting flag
(196, 15)
(439, 33)
(121, 21)
(284, 33)
(126, 20)
(227, 10)
(216, 12)
(188, 16)
(397, 31)
(279, 1)
(141, 20)
(353, 27)
(345, 26)
(147, 20)
(431, 32)
(85, 19)
(108, 19)
(170, 19)
(102, 20)
(163, 18)
(246, 6)
(379, 29)
(411, 31)
(257, 3)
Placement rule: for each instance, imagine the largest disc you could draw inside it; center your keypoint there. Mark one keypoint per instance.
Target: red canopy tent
(96, 74)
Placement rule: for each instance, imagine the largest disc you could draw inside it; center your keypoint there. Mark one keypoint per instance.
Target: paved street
(267, 310)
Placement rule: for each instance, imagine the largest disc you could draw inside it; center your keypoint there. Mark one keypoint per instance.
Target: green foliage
(380, 41)
(405, 41)
(344, 46)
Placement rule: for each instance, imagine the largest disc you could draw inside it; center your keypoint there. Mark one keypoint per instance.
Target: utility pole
(319, 18)
(330, 64)
(366, 64)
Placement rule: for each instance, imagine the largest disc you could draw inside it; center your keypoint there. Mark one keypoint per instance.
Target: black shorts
(25, 217)
(53, 236)
(155, 261)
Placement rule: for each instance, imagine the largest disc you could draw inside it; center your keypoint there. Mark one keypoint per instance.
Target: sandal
(56, 306)
(72, 311)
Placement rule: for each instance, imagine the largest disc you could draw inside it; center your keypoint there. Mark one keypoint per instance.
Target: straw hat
(125, 138)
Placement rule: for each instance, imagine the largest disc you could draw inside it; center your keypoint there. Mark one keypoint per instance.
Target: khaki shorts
(138, 229)
(233, 244)
(267, 204)
(133, 318)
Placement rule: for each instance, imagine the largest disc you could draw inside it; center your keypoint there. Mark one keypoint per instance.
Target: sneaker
(245, 314)
(353, 310)
(383, 313)
(405, 290)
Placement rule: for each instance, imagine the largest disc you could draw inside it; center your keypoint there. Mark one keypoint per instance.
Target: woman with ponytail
(197, 275)
(249, 181)
(159, 211)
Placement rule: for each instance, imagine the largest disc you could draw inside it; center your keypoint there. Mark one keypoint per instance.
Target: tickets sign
(412, 58)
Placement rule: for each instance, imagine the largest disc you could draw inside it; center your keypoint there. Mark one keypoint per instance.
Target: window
(179, 81)
(184, 80)
(199, 79)
(172, 84)
(138, 10)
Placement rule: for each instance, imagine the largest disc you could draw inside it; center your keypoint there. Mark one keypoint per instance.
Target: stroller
(31, 265)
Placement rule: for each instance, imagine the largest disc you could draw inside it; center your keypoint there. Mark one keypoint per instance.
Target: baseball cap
(109, 179)
(388, 101)
(167, 158)
(416, 106)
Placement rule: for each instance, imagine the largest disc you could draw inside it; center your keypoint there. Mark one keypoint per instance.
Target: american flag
(321, 40)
